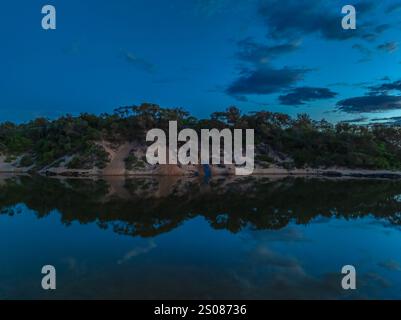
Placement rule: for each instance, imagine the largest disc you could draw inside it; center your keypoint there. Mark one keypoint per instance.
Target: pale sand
(116, 166)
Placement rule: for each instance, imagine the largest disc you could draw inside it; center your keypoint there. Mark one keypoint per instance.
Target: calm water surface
(173, 238)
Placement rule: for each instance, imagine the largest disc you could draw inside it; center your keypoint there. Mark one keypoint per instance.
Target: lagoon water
(172, 238)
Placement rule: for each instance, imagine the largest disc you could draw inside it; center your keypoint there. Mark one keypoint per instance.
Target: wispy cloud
(393, 7)
(256, 53)
(139, 62)
(390, 265)
(365, 51)
(137, 251)
(389, 47)
(386, 88)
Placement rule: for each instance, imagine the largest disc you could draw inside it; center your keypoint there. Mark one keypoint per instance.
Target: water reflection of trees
(150, 206)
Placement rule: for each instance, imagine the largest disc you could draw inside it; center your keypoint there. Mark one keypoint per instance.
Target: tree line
(306, 142)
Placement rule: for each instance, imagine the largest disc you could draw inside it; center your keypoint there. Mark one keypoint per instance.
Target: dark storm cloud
(370, 103)
(299, 96)
(265, 80)
(389, 47)
(256, 53)
(297, 18)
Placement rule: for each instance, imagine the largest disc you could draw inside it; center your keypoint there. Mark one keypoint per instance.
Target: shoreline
(333, 173)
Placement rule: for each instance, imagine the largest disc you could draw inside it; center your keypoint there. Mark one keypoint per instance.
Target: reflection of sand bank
(192, 187)
(6, 176)
(156, 187)
(117, 187)
(116, 165)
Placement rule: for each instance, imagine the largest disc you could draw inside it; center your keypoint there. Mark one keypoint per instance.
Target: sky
(202, 55)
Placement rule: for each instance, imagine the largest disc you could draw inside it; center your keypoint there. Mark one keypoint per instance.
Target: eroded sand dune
(116, 167)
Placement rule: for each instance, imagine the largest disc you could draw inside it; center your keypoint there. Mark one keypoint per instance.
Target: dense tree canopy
(305, 141)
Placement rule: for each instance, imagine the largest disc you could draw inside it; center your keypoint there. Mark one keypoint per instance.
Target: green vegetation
(132, 163)
(303, 141)
(26, 161)
(94, 155)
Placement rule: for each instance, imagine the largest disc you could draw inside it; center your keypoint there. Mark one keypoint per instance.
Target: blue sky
(202, 55)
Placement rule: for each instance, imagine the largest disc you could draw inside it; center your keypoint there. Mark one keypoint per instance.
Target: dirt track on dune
(117, 165)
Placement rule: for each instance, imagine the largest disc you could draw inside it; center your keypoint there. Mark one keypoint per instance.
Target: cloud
(356, 120)
(350, 85)
(393, 7)
(386, 87)
(370, 103)
(362, 49)
(260, 77)
(299, 96)
(389, 47)
(378, 98)
(388, 120)
(256, 53)
(366, 52)
(139, 62)
(382, 27)
(210, 7)
(265, 80)
(296, 18)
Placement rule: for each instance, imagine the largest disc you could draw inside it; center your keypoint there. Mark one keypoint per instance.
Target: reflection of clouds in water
(288, 234)
(379, 225)
(75, 266)
(321, 219)
(283, 277)
(262, 254)
(137, 251)
(373, 279)
(391, 265)
(272, 274)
